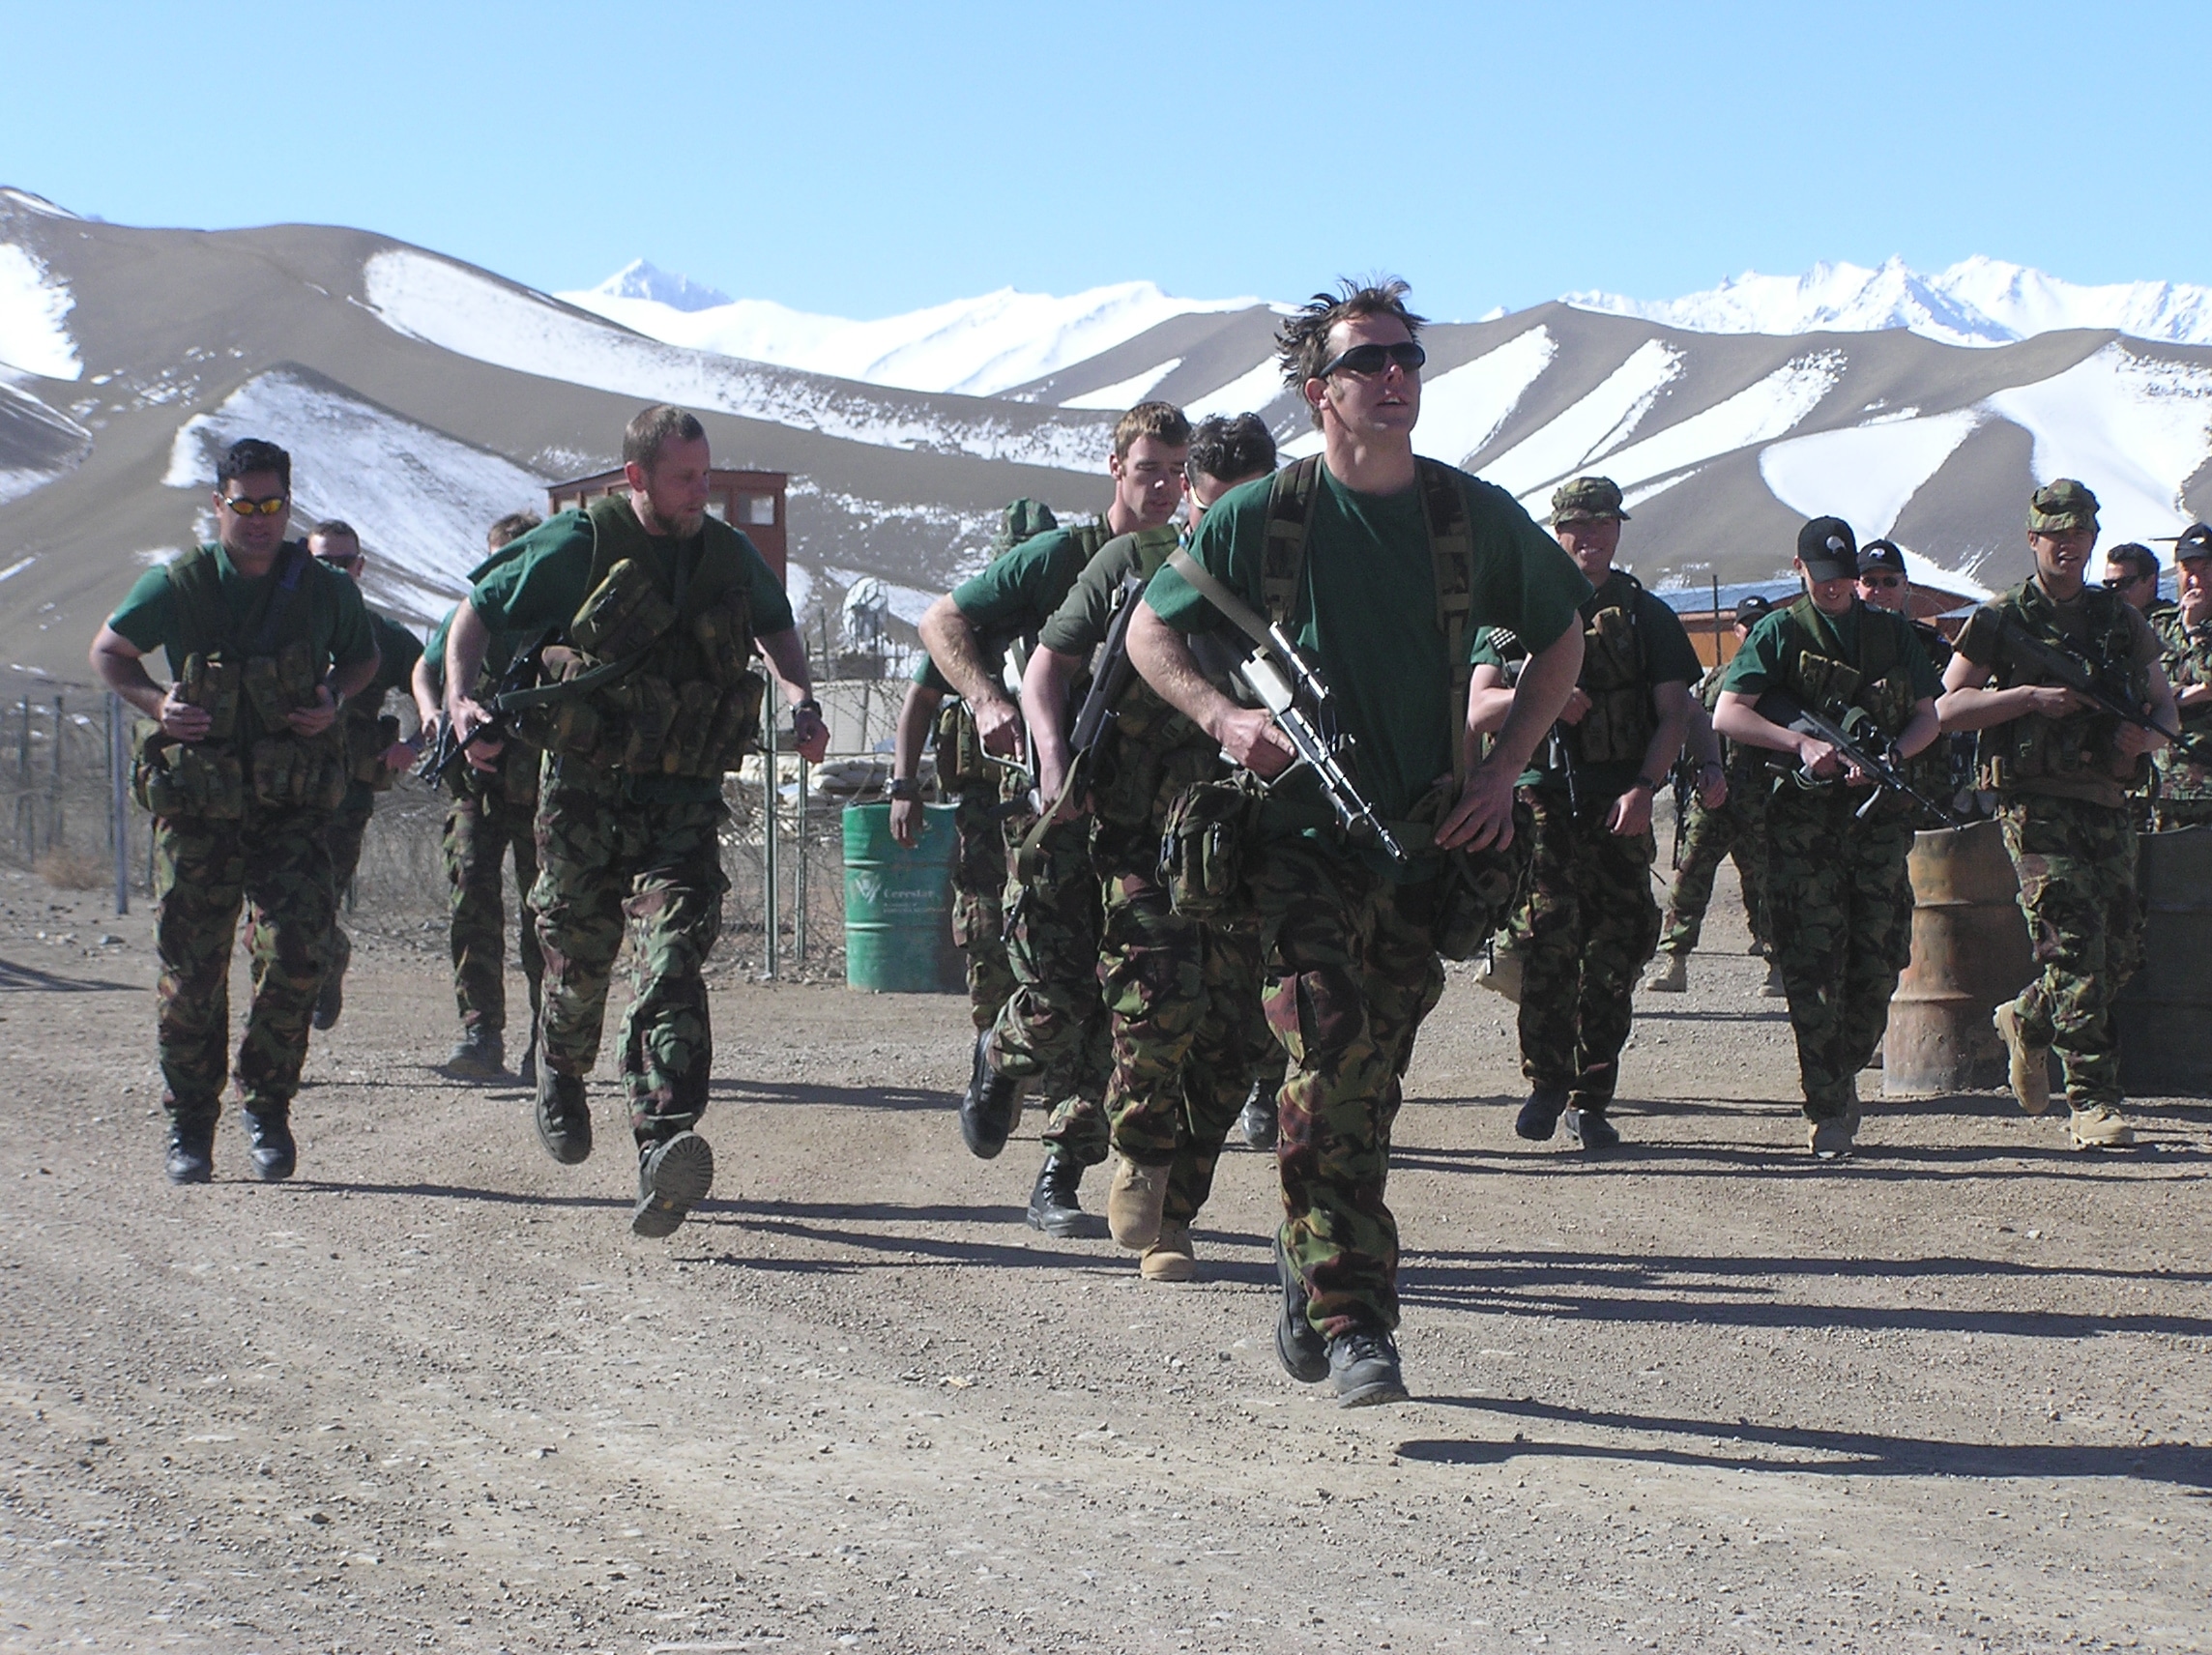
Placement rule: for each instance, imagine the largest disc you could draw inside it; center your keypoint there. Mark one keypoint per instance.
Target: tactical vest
(660, 658)
(1618, 727)
(1451, 556)
(1150, 752)
(2188, 662)
(1815, 670)
(248, 675)
(2081, 743)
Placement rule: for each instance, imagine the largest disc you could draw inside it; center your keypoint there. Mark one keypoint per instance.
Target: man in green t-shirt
(491, 817)
(2060, 769)
(375, 752)
(2184, 797)
(1350, 937)
(662, 609)
(1590, 918)
(1841, 909)
(1183, 995)
(1052, 1030)
(241, 773)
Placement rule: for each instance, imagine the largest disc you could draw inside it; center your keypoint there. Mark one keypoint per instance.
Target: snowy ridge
(420, 498)
(34, 308)
(638, 279)
(1976, 301)
(974, 347)
(446, 304)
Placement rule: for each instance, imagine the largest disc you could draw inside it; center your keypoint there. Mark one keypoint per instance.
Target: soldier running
(2060, 768)
(242, 772)
(662, 608)
(2184, 796)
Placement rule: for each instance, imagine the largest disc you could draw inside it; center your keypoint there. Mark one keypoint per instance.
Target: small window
(719, 509)
(760, 509)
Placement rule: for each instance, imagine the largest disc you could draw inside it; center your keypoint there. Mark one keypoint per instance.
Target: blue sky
(869, 158)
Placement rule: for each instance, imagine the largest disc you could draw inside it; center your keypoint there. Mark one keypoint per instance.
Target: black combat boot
(1301, 1349)
(1053, 1206)
(479, 1055)
(564, 1118)
(1539, 1117)
(1590, 1128)
(991, 1109)
(1364, 1366)
(269, 1140)
(673, 1175)
(1259, 1122)
(192, 1147)
(331, 1000)
(526, 1072)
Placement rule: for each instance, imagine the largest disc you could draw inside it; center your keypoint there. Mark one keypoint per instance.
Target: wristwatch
(808, 705)
(1646, 784)
(905, 788)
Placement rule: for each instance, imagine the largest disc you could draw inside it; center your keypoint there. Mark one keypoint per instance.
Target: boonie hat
(1828, 549)
(2062, 505)
(1586, 499)
(1882, 555)
(1753, 610)
(2195, 541)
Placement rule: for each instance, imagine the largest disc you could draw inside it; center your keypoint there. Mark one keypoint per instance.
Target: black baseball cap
(2194, 541)
(1882, 555)
(1753, 610)
(1828, 549)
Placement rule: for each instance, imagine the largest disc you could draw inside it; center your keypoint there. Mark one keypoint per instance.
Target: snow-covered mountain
(973, 347)
(638, 279)
(1976, 301)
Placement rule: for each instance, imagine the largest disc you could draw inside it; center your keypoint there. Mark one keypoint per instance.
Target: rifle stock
(1870, 752)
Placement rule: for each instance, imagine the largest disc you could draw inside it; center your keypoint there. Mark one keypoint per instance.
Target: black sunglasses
(1884, 581)
(1367, 361)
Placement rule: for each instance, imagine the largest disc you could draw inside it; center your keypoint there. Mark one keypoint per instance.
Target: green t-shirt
(1366, 611)
(1759, 666)
(498, 651)
(1669, 658)
(397, 650)
(1079, 624)
(338, 624)
(1013, 595)
(541, 578)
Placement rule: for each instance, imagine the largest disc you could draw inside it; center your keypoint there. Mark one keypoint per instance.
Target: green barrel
(2164, 1015)
(898, 904)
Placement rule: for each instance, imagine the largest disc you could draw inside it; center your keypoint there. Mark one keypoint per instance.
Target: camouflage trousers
(349, 827)
(2171, 815)
(607, 859)
(1737, 830)
(482, 829)
(277, 863)
(1843, 934)
(1350, 972)
(1591, 925)
(980, 903)
(1052, 1029)
(1184, 1004)
(2076, 867)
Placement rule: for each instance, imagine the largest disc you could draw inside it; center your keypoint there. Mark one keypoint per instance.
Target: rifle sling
(1247, 619)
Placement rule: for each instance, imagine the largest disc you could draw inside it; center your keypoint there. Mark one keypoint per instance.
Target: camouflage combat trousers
(1183, 1003)
(2171, 815)
(1737, 830)
(980, 903)
(1053, 1027)
(2076, 867)
(276, 862)
(349, 826)
(1840, 936)
(1350, 972)
(1591, 925)
(482, 829)
(604, 859)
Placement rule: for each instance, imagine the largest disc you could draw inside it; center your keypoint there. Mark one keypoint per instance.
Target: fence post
(798, 895)
(118, 801)
(54, 809)
(769, 919)
(26, 806)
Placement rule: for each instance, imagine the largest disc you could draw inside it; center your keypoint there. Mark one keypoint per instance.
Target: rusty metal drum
(1969, 952)
(2165, 1014)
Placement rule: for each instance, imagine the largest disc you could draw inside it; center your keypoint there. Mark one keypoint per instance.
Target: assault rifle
(1284, 685)
(1558, 755)
(1684, 776)
(448, 751)
(1858, 744)
(1110, 675)
(2097, 685)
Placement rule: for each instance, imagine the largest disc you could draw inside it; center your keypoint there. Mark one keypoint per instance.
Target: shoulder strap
(277, 607)
(1283, 560)
(1451, 556)
(203, 619)
(1247, 619)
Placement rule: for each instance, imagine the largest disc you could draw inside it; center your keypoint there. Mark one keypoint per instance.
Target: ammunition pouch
(1618, 726)
(624, 614)
(959, 750)
(1474, 890)
(213, 684)
(282, 684)
(169, 777)
(367, 741)
(298, 772)
(647, 726)
(1145, 759)
(1205, 846)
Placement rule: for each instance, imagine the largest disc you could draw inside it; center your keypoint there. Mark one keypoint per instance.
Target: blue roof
(1699, 599)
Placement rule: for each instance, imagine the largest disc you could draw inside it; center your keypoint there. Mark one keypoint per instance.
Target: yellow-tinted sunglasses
(268, 507)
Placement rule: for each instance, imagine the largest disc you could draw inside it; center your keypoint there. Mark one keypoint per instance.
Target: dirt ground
(1702, 1395)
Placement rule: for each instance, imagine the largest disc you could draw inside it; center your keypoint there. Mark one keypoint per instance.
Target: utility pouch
(1204, 849)
(625, 613)
(724, 638)
(517, 780)
(737, 725)
(366, 745)
(213, 684)
(692, 728)
(296, 676)
(652, 714)
(960, 761)
(266, 690)
(1474, 890)
(169, 778)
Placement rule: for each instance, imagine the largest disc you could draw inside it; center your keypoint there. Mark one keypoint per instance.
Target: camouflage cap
(1022, 520)
(1828, 549)
(2060, 505)
(1586, 499)
(2195, 541)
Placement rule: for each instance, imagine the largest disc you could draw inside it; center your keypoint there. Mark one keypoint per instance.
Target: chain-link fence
(66, 755)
